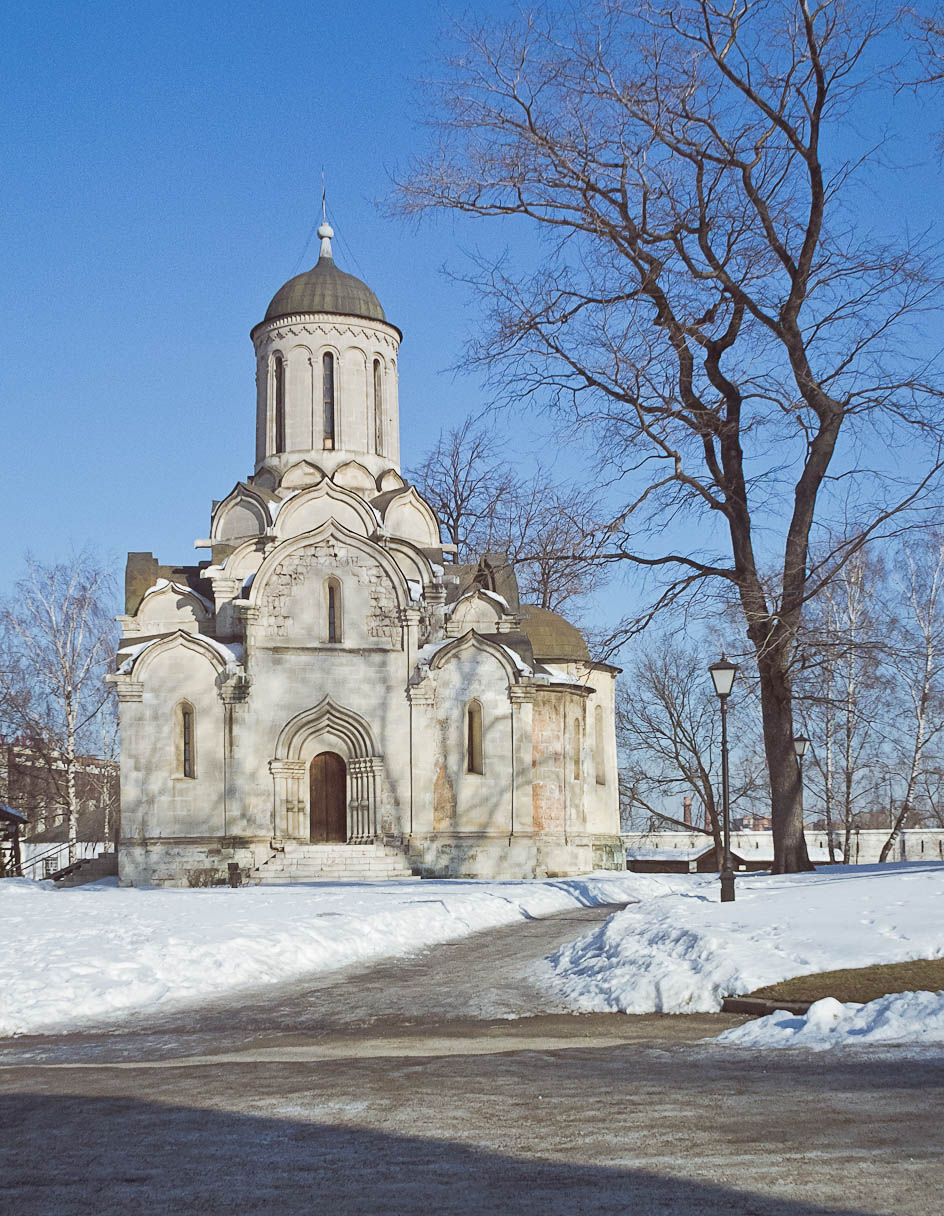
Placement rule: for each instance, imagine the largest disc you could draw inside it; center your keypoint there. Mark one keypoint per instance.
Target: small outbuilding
(10, 860)
(698, 860)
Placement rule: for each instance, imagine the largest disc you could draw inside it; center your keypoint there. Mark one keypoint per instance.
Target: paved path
(400, 1088)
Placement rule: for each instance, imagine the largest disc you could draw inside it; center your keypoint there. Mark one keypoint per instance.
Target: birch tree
(917, 675)
(57, 641)
(748, 357)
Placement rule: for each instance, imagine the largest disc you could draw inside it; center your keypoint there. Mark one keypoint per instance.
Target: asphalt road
(409, 1088)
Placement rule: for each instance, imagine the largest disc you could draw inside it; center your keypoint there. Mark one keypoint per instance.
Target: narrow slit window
(328, 387)
(378, 407)
(333, 609)
(474, 753)
(599, 753)
(279, 403)
(576, 747)
(186, 740)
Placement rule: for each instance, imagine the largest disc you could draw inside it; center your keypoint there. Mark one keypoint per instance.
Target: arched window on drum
(328, 379)
(378, 407)
(279, 393)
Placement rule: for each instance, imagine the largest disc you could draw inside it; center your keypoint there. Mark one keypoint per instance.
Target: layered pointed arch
(242, 513)
(353, 475)
(330, 530)
(326, 719)
(215, 653)
(415, 565)
(245, 559)
(406, 514)
(310, 509)
(168, 604)
(475, 642)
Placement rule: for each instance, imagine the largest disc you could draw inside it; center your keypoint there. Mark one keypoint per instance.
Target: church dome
(324, 288)
(552, 636)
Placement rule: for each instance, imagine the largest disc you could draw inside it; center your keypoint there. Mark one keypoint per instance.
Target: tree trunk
(72, 808)
(786, 795)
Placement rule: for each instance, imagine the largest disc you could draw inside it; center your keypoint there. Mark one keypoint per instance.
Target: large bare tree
(706, 300)
(57, 641)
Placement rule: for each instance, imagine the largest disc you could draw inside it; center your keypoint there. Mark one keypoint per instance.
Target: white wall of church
(157, 798)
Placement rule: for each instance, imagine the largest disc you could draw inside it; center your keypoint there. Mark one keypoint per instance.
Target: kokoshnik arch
(328, 678)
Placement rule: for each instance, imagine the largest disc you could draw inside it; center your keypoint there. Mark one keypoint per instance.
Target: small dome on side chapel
(324, 288)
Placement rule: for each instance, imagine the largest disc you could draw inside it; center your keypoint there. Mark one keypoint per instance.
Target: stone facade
(474, 733)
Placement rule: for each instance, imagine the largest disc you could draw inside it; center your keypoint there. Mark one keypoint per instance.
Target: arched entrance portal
(328, 799)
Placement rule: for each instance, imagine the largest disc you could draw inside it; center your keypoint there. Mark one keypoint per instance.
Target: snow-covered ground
(901, 1017)
(685, 952)
(95, 954)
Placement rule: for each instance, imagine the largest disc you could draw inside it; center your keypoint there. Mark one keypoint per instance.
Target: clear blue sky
(161, 174)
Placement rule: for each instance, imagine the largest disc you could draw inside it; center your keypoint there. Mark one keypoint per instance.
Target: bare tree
(917, 660)
(707, 305)
(842, 695)
(549, 530)
(57, 641)
(464, 479)
(668, 729)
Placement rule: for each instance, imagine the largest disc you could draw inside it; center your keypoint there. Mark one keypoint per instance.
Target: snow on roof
(502, 603)
(520, 664)
(163, 584)
(554, 675)
(231, 653)
(425, 655)
(128, 654)
(276, 506)
(688, 854)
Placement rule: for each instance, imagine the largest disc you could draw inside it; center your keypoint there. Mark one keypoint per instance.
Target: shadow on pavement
(71, 1155)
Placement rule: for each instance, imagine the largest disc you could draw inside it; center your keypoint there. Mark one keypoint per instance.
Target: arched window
(378, 407)
(185, 739)
(279, 403)
(599, 752)
(576, 748)
(475, 761)
(327, 379)
(333, 613)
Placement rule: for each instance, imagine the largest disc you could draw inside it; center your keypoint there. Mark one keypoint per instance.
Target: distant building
(32, 784)
(328, 693)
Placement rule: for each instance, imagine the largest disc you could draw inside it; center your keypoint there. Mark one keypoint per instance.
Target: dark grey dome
(324, 288)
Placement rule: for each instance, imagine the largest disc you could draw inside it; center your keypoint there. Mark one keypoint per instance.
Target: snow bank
(903, 1017)
(686, 952)
(94, 954)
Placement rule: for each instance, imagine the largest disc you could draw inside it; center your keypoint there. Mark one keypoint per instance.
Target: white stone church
(330, 694)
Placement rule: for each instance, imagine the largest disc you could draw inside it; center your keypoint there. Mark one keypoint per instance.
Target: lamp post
(722, 676)
(800, 744)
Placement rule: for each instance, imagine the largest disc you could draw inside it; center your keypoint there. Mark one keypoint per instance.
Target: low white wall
(58, 855)
(914, 844)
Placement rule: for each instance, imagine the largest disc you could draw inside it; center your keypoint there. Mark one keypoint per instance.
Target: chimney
(687, 812)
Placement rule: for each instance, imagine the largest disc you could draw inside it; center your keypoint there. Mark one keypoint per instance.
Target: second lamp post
(722, 675)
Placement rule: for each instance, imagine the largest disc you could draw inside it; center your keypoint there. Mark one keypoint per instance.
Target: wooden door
(328, 801)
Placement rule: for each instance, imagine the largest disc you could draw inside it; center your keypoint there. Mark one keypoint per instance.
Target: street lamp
(800, 744)
(722, 676)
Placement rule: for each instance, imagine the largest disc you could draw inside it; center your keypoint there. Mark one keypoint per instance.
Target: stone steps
(105, 865)
(332, 863)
